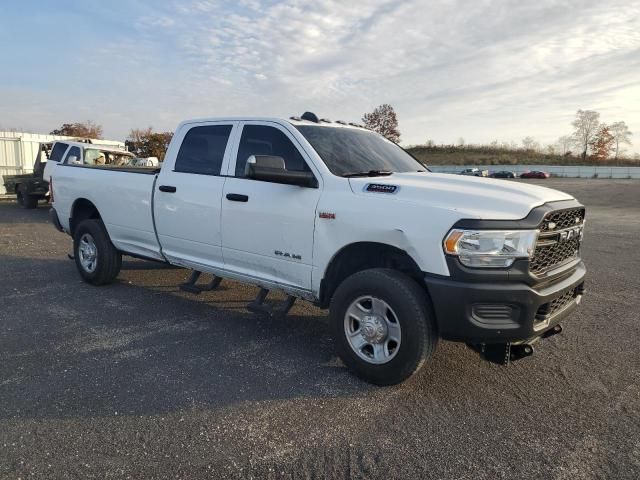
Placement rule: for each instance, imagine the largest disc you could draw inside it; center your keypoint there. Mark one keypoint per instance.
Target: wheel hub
(374, 329)
(88, 253)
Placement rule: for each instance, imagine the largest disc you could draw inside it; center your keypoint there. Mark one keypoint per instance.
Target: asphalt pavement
(141, 380)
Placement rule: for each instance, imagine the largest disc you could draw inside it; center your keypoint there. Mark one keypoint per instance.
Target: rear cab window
(57, 151)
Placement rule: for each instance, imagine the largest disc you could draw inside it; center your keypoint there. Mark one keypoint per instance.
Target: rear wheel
(96, 258)
(383, 325)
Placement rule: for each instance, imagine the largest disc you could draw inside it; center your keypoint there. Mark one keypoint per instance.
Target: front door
(188, 196)
(268, 227)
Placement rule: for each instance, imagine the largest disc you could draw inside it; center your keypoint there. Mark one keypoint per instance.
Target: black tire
(24, 199)
(412, 308)
(108, 260)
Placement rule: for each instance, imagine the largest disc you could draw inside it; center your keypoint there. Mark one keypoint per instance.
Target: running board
(258, 305)
(191, 285)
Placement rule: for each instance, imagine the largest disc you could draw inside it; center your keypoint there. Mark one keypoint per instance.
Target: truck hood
(473, 197)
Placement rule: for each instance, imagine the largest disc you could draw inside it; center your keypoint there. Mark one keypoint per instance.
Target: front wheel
(383, 325)
(96, 258)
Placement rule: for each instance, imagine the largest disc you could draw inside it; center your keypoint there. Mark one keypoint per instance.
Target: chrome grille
(558, 242)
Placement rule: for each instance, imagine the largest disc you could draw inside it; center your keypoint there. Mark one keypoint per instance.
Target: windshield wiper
(370, 173)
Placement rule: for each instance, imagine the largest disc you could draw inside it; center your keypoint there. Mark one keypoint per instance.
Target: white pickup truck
(337, 215)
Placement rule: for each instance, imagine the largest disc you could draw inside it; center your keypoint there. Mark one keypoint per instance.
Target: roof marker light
(310, 116)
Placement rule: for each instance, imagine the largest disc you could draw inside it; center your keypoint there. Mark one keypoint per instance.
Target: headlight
(490, 248)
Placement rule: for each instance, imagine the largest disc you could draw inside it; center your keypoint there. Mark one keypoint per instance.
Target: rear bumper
(502, 312)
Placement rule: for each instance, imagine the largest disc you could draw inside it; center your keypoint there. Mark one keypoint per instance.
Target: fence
(568, 171)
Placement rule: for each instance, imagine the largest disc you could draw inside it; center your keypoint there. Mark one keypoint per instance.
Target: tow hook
(552, 331)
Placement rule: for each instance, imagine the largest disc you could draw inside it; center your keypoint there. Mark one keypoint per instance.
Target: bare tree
(621, 134)
(383, 120)
(586, 126)
(530, 144)
(564, 144)
(88, 129)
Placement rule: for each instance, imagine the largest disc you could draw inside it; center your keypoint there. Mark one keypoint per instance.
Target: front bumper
(502, 311)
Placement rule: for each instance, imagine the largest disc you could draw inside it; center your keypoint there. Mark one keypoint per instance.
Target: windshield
(351, 151)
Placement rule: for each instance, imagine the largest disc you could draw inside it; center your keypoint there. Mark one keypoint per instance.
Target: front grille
(562, 219)
(559, 241)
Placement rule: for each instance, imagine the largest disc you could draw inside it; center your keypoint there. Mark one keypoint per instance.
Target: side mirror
(270, 168)
(72, 159)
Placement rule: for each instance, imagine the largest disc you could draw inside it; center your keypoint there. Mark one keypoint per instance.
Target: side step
(258, 305)
(192, 287)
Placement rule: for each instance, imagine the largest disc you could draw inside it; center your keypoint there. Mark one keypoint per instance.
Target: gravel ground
(140, 380)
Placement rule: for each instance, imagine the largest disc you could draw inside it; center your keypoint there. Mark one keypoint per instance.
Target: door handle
(236, 197)
(167, 188)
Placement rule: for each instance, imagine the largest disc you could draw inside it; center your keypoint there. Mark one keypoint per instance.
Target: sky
(482, 70)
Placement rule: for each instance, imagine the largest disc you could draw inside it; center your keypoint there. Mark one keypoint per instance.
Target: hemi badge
(379, 188)
(327, 215)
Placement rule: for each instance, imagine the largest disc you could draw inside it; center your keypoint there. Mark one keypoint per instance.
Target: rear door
(188, 195)
(268, 227)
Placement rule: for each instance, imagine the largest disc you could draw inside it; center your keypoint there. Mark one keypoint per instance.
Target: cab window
(264, 140)
(73, 152)
(202, 150)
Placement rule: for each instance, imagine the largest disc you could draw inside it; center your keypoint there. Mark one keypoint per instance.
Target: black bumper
(502, 311)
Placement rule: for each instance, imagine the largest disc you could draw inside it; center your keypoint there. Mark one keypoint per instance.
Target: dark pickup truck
(31, 187)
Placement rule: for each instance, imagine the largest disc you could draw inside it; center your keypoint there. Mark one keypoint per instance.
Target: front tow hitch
(505, 353)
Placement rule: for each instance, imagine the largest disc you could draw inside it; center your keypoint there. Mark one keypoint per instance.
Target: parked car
(535, 174)
(339, 216)
(475, 172)
(502, 174)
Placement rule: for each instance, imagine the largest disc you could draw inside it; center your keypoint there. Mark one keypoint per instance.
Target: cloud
(484, 70)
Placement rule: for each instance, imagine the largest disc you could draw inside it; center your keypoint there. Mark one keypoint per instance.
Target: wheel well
(362, 256)
(82, 210)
